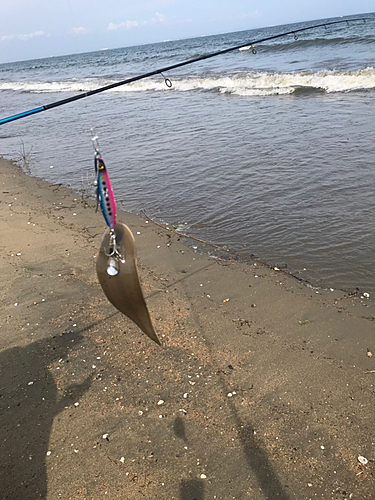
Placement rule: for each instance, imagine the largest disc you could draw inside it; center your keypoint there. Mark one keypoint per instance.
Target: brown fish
(116, 268)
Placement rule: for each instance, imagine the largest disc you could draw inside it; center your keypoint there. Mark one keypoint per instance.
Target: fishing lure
(104, 191)
(116, 265)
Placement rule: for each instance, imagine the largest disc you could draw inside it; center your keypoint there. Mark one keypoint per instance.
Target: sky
(32, 29)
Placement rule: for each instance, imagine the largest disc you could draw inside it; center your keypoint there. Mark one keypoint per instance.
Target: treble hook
(113, 254)
(112, 246)
(167, 81)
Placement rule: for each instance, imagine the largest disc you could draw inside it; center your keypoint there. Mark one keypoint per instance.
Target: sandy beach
(259, 390)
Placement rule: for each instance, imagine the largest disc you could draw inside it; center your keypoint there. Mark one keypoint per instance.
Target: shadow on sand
(192, 490)
(29, 402)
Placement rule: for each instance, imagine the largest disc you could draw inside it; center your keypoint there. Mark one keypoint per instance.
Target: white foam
(251, 84)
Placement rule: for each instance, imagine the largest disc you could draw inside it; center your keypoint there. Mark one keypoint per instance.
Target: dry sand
(261, 396)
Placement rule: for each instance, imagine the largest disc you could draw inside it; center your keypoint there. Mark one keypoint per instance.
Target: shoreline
(262, 379)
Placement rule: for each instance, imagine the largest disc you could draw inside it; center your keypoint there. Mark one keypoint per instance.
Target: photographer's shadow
(29, 402)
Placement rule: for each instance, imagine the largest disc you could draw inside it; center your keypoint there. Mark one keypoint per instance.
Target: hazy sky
(40, 28)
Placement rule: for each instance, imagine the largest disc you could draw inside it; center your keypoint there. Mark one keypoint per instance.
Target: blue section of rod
(21, 115)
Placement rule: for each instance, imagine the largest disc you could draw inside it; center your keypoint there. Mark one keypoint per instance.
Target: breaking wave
(302, 44)
(249, 84)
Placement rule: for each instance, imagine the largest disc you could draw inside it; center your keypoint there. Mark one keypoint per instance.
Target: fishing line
(160, 71)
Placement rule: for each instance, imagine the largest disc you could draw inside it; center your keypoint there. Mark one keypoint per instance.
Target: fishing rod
(171, 67)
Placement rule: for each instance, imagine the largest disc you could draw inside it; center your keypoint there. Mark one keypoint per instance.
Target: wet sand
(258, 391)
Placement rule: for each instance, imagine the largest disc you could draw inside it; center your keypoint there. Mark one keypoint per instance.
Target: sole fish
(116, 267)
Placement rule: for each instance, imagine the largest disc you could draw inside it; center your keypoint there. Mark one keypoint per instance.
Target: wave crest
(250, 84)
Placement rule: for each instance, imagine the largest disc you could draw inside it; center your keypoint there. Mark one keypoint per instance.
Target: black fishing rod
(173, 66)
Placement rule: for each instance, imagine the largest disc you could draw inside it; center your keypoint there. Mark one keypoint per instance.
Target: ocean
(269, 154)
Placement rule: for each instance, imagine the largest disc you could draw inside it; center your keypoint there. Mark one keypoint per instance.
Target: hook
(113, 254)
(254, 50)
(112, 250)
(295, 36)
(167, 81)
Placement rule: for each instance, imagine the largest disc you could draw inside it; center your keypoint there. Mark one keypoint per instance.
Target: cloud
(158, 19)
(126, 25)
(22, 37)
(122, 26)
(79, 31)
(255, 14)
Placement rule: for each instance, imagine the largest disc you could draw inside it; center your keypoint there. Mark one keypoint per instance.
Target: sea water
(268, 154)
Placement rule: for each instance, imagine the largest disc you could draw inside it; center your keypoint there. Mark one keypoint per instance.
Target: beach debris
(366, 295)
(160, 402)
(369, 353)
(225, 300)
(122, 460)
(362, 460)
